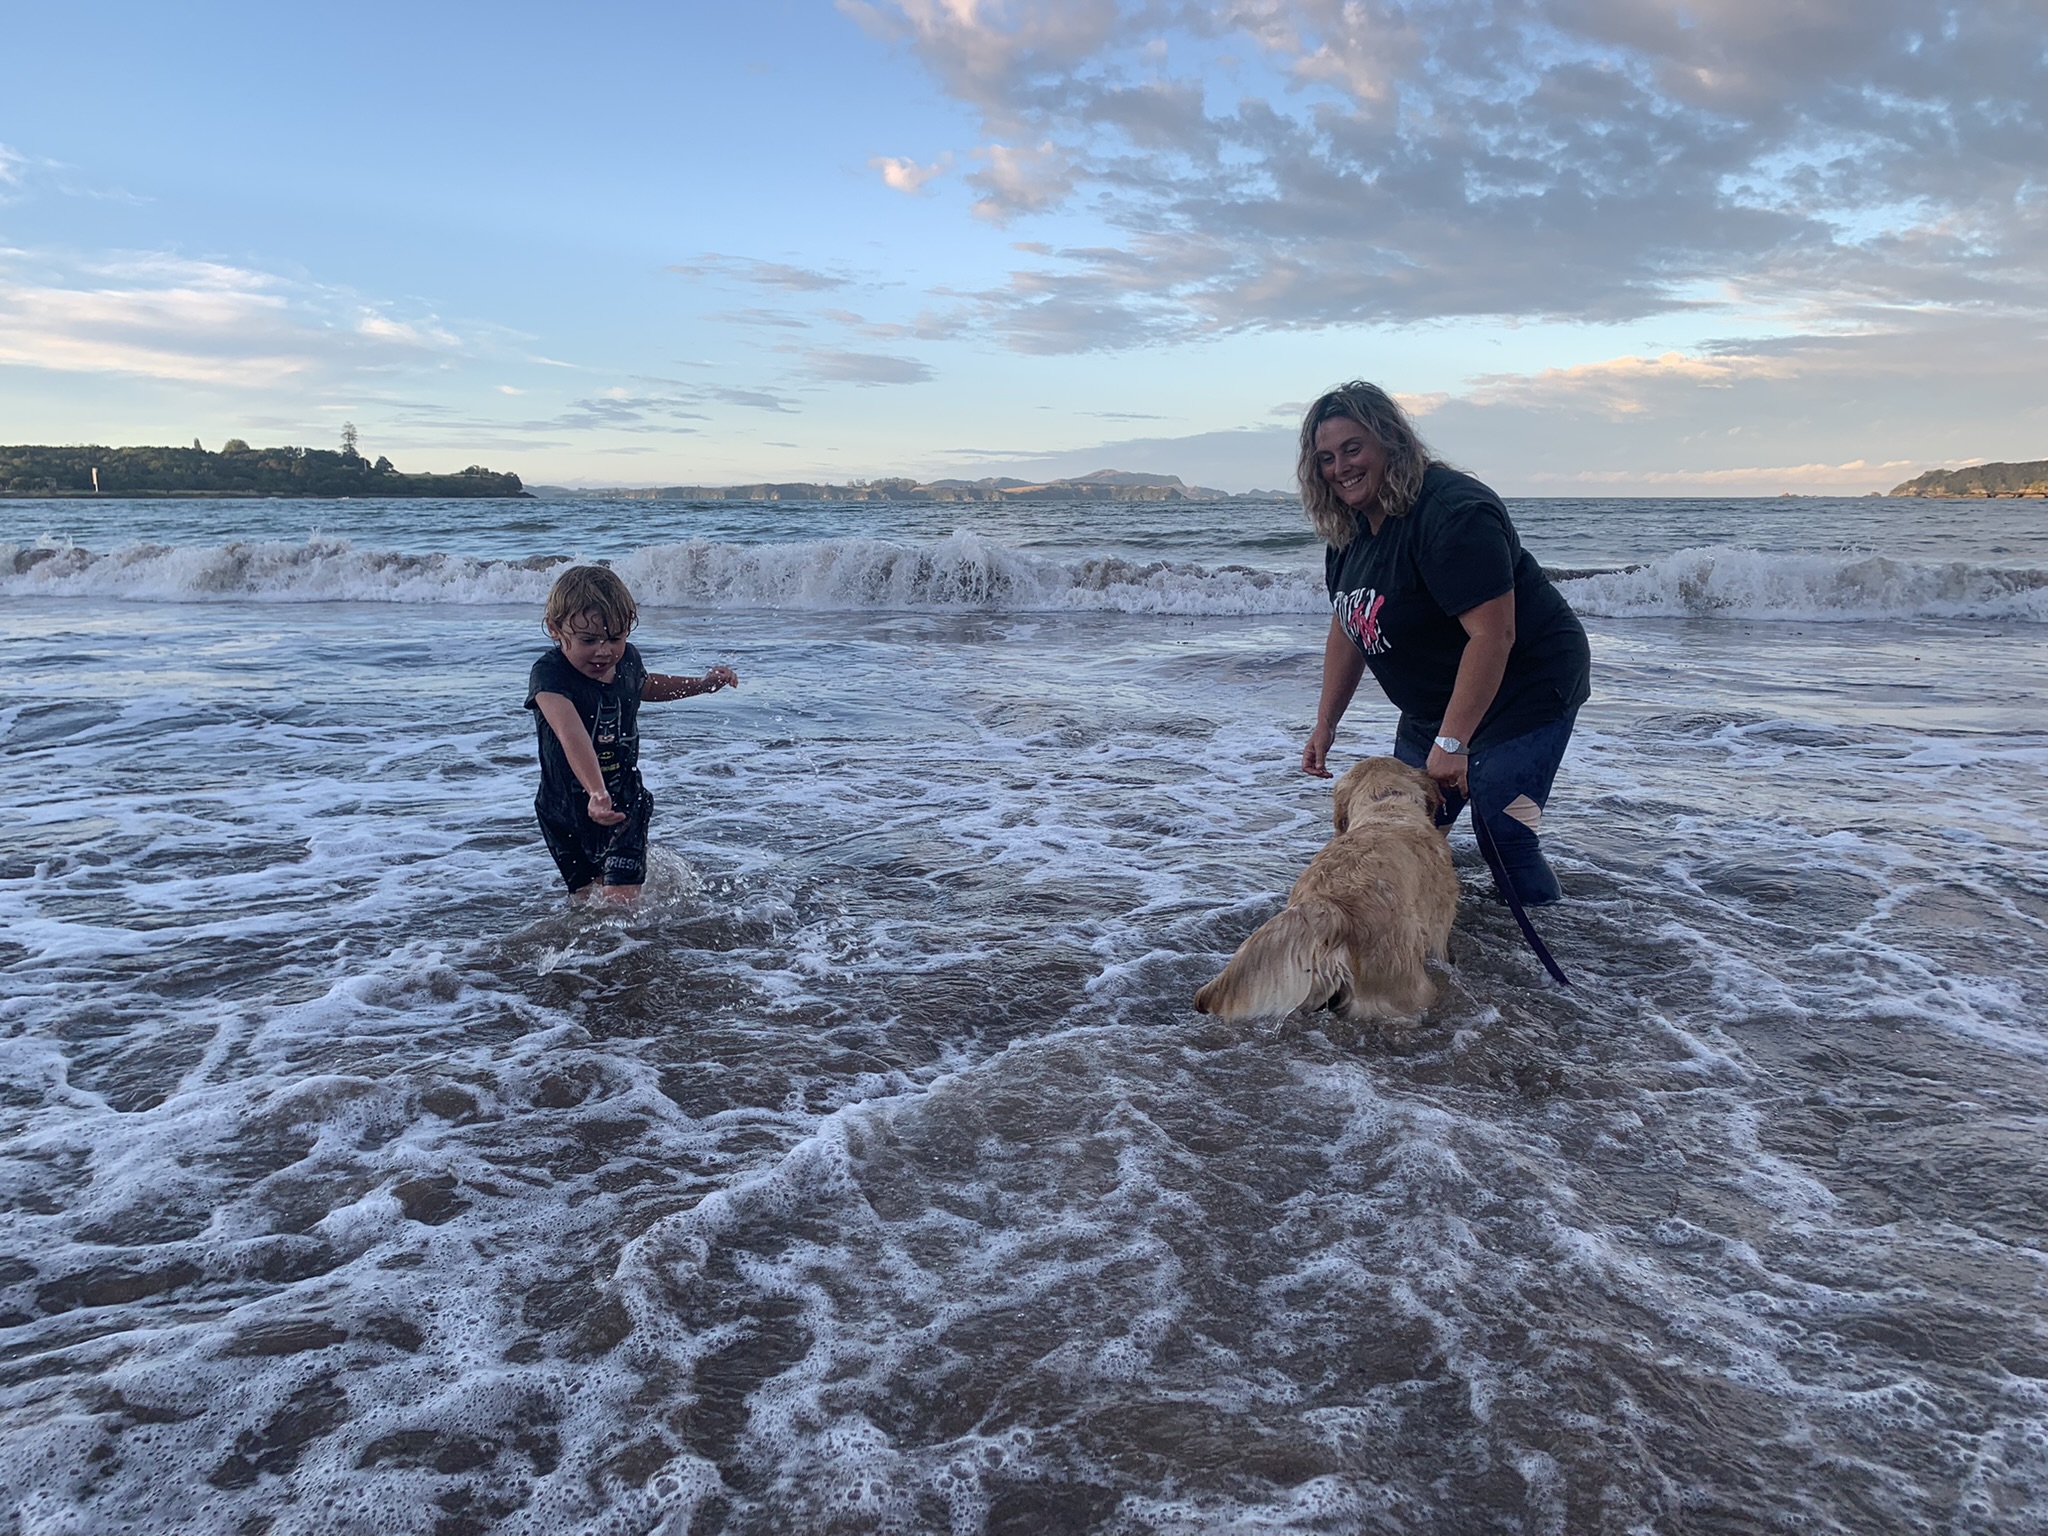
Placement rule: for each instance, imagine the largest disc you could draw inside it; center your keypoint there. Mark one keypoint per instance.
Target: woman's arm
(660, 687)
(1489, 636)
(569, 730)
(1343, 666)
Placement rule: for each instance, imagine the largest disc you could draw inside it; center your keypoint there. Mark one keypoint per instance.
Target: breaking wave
(968, 571)
(1722, 582)
(964, 571)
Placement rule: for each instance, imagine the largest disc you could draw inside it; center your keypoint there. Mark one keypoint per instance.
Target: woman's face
(1352, 462)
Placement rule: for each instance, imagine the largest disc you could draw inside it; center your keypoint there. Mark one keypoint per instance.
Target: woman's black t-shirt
(610, 713)
(1398, 593)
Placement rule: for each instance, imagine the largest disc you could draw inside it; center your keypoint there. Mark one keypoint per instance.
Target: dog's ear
(1342, 802)
(1433, 793)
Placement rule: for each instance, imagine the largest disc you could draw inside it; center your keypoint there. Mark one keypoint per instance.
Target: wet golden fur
(1364, 916)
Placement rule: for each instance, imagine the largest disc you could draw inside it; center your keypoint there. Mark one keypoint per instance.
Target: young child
(585, 695)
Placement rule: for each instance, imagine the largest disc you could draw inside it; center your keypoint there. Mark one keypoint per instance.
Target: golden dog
(1364, 916)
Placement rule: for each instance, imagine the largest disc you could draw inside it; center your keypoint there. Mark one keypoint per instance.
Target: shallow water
(875, 1174)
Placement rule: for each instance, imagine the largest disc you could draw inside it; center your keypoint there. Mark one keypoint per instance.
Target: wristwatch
(1452, 745)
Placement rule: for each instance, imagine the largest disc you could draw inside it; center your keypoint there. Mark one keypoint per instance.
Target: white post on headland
(95, 479)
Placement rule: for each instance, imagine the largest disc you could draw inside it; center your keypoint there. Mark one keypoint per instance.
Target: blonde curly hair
(591, 589)
(1387, 424)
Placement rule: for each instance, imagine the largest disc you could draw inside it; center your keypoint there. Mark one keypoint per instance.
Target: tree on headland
(348, 441)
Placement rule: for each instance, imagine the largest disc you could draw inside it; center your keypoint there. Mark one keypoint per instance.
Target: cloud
(908, 175)
(162, 317)
(23, 176)
(625, 410)
(384, 328)
(1015, 181)
(1843, 413)
(754, 399)
(1370, 161)
(989, 53)
(1838, 411)
(927, 325)
(775, 319)
(1621, 387)
(763, 274)
(618, 411)
(1854, 477)
(1417, 406)
(1253, 458)
(866, 368)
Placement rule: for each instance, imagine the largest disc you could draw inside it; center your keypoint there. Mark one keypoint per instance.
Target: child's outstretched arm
(660, 687)
(568, 727)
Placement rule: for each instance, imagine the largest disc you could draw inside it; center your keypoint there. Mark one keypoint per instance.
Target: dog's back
(1366, 914)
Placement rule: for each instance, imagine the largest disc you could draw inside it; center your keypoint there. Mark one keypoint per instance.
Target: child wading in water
(585, 695)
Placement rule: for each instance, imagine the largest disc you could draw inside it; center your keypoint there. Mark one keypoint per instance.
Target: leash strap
(1507, 889)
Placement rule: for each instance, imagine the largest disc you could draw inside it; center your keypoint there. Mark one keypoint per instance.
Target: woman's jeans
(1510, 783)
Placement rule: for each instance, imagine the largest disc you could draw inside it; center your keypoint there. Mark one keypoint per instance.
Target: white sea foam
(880, 1166)
(969, 571)
(962, 571)
(1721, 582)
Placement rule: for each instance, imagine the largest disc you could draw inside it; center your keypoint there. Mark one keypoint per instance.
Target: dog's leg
(1296, 959)
(1412, 992)
(1400, 987)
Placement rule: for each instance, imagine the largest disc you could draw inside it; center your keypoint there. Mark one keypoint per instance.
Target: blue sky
(1601, 246)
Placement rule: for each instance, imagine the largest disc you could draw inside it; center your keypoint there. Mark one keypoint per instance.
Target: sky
(1598, 247)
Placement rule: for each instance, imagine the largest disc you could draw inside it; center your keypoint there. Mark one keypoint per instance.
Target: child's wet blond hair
(592, 589)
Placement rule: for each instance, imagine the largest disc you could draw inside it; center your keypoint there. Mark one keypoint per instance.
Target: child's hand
(601, 810)
(721, 677)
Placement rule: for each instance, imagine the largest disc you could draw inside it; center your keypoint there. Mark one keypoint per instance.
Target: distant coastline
(1102, 485)
(236, 470)
(1980, 480)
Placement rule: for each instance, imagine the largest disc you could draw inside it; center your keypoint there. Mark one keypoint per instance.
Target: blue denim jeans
(1510, 783)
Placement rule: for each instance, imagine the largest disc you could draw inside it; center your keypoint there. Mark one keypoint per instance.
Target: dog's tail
(1296, 959)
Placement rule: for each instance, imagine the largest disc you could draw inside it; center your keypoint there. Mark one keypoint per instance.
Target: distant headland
(237, 470)
(1102, 485)
(2028, 479)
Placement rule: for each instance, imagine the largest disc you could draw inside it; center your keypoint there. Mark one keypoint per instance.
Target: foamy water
(875, 1175)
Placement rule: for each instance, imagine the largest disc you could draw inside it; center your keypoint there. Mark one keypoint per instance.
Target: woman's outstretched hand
(1317, 749)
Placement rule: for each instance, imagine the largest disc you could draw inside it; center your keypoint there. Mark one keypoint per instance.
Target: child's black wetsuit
(583, 850)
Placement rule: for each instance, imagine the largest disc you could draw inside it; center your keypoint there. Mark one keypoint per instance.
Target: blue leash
(1507, 889)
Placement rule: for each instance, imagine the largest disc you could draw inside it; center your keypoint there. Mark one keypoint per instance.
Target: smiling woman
(1430, 587)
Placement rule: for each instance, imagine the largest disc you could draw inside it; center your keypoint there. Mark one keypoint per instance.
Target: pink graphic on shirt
(1359, 613)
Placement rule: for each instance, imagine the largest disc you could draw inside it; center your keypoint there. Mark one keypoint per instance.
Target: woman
(1433, 591)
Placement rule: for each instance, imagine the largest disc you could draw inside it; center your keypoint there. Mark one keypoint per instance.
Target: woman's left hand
(1448, 769)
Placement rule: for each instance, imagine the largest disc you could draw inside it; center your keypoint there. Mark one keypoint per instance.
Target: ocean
(875, 1175)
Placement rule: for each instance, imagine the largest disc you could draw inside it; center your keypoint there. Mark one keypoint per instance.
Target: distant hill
(2029, 479)
(1102, 485)
(237, 470)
